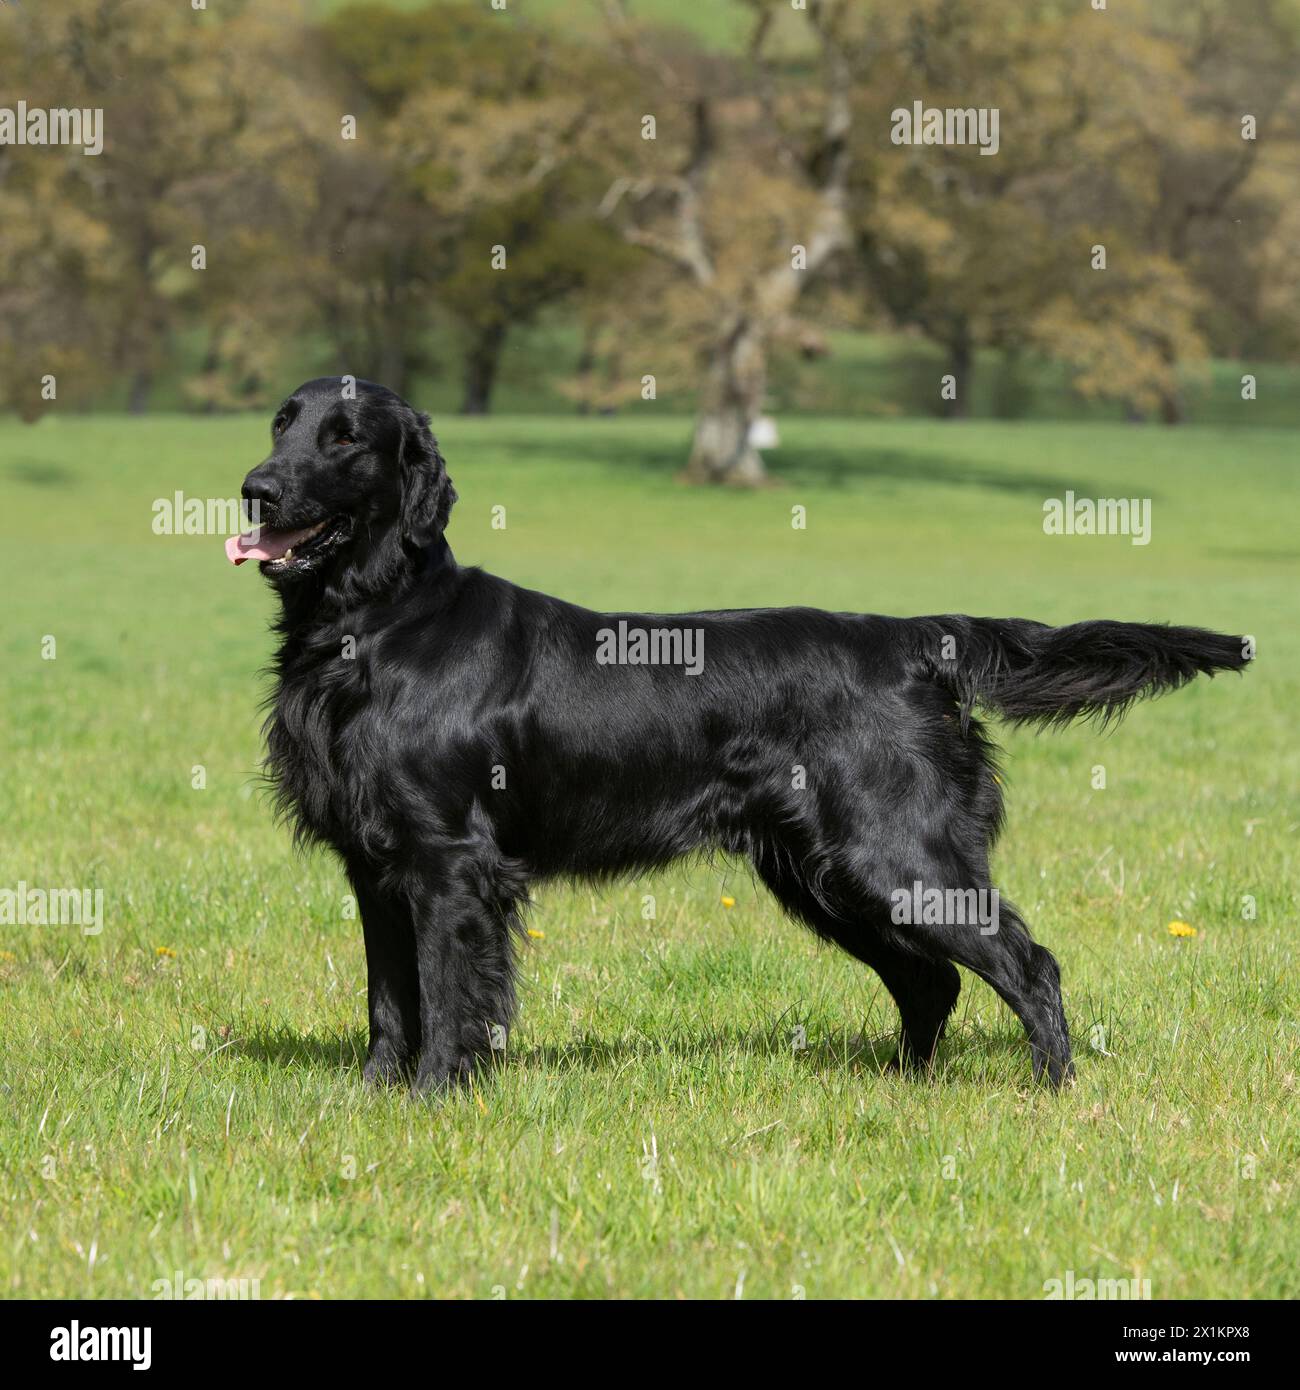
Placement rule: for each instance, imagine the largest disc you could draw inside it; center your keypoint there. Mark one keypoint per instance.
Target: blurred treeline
(665, 216)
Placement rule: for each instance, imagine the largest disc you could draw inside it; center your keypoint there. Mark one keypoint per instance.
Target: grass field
(182, 1090)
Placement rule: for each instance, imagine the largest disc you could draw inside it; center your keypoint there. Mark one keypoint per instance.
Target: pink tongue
(269, 545)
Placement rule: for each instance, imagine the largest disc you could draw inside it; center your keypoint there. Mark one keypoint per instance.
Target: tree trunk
(731, 399)
(1172, 409)
(393, 358)
(961, 367)
(211, 364)
(480, 372)
(141, 385)
(586, 369)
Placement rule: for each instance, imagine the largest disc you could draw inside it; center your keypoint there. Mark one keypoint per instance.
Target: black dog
(455, 738)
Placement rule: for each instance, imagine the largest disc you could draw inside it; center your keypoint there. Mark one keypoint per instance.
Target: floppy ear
(427, 493)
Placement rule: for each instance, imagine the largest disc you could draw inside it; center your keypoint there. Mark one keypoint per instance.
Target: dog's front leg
(392, 983)
(466, 967)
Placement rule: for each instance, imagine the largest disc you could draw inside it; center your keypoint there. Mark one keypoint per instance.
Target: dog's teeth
(288, 554)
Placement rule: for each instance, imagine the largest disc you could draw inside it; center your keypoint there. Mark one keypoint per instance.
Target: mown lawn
(182, 1091)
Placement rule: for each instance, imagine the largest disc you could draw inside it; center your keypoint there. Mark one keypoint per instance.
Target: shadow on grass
(835, 1053)
(284, 1048)
(827, 466)
(839, 468)
(38, 473)
(1286, 557)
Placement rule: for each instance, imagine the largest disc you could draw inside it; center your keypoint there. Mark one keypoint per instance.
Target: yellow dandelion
(536, 935)
(728, 902)
(8, 957)
(1181, 929)
(164, 951)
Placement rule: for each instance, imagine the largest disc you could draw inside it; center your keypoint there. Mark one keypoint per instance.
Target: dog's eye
(345, 439)
(279, 427)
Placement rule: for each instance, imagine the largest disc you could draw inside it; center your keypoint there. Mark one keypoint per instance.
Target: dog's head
(354, 472)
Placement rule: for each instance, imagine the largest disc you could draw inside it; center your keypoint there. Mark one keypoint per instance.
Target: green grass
(652, 1130)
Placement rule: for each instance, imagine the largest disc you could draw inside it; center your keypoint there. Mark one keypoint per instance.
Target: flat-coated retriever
(455, 738)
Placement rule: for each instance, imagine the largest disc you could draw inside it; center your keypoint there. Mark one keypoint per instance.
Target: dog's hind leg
(392, 983)
(924, 988)
(861, 913)
(925, 991)
(963, 918)
(1028, 978)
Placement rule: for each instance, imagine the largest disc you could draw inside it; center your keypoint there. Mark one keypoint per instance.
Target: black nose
(262, 489)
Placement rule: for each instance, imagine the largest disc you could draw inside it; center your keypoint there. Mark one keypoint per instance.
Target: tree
(1181, 178)
(1093, 234)
(464, 198)
(102, 271)
(745, 199)
(551, 248)
(965, 246)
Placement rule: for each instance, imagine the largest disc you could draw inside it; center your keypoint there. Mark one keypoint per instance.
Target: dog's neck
(321, 606)
(435, 560)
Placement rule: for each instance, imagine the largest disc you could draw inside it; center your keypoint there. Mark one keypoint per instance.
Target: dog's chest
(322, 745)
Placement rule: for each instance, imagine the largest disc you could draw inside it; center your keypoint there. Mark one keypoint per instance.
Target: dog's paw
(1053, 1072)
(385, 1066)
(440, 1078)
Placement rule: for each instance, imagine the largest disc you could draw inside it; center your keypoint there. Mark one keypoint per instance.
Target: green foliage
(522, 129)
(388, 53)
(1120, 140)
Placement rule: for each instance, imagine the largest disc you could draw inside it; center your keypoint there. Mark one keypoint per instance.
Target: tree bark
(731, 396)
(731, 400)
(586, 368)
(211, 363)
(141, 386)
(961, 367)
(482, 360)
(393, 358)
(1172, 409)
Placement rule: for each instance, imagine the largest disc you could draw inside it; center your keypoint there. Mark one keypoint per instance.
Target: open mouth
(282, 550)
